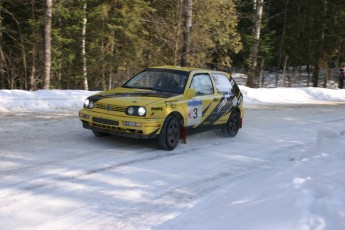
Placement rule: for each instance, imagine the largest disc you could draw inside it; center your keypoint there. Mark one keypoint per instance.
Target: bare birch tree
(47, 44)
(255, 48)
(32, 81)
(86, 85)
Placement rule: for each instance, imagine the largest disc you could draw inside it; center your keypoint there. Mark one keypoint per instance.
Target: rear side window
(224, 84)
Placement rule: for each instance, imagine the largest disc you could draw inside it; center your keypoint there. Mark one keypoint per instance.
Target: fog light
(133, 124)
(83, 115)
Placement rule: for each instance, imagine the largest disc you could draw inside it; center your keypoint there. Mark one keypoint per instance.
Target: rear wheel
(170, 133)
(233, 125)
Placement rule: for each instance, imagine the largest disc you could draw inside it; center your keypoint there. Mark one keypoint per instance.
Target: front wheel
(233, 125)
(170, 134)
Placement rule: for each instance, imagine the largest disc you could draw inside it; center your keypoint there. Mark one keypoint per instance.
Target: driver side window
(202, 84)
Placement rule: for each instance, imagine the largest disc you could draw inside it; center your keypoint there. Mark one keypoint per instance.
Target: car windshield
(159, 79)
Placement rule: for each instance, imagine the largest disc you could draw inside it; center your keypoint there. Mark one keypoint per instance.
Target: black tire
(232, 125)
(170, 134)
(100, 134)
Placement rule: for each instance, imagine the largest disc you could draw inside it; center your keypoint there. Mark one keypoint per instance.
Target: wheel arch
(178, 116)
(237, 109)
(175, 114)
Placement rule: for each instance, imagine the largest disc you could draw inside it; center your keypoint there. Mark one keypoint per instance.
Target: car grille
(105, 121)
(108, 107)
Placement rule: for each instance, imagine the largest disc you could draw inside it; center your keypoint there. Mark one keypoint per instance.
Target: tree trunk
(318, 59)
(111, 69)
(33, 70)
(261, 79)
(284, 69)
(86, 86)
(2, 68)
(255, 47)
(2, 59)
(47, 44)
(187, 34)
(282, 40)
(308, 75)
(32, 77)
(326, 77)
(177, 34)
(315, 77)
(24, 77)
(103, 65)
(59, 75)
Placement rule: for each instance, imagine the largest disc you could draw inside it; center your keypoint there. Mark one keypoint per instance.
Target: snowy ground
(284, 170)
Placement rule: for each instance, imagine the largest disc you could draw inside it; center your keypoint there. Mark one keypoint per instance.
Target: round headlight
(86, 103)
(130, 110)
(91, 104)
(141, 111)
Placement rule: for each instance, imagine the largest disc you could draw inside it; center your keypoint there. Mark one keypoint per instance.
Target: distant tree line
(294, 34)
(98, 44)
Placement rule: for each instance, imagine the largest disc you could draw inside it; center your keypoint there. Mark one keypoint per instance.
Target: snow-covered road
(56, 175)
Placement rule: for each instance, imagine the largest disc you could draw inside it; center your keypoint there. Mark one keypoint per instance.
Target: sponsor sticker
(194, 112)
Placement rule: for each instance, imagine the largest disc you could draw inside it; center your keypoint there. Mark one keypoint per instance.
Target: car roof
(187, 69)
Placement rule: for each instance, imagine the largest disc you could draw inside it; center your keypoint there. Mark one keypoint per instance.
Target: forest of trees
(98, 44)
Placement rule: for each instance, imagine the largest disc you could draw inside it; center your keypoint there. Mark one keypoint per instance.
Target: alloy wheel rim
(172, 133)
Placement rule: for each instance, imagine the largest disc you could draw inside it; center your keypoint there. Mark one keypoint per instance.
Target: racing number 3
(194, 112)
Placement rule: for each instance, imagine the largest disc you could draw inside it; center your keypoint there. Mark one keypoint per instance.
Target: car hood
(126, 97)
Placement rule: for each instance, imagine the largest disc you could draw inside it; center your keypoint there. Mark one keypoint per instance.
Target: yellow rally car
(166, 103)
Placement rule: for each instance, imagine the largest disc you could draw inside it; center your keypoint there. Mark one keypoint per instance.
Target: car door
(201, 107)
(229, 95)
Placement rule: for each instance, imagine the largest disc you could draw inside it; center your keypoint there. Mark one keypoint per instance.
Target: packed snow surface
(284, 169)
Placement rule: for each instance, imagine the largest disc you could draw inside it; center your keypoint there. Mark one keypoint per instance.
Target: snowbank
(42, 100)
(72, 100)
(273, 96)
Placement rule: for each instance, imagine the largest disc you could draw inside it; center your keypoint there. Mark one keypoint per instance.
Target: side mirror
(190, 93)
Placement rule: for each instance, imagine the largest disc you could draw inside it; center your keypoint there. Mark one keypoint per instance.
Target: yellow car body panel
(118, 111)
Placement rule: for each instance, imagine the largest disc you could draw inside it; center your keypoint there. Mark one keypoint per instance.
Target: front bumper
(134, 127)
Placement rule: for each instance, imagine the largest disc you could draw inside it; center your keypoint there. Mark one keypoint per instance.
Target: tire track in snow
(181, 198)
(172, 200)
(49, 181)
